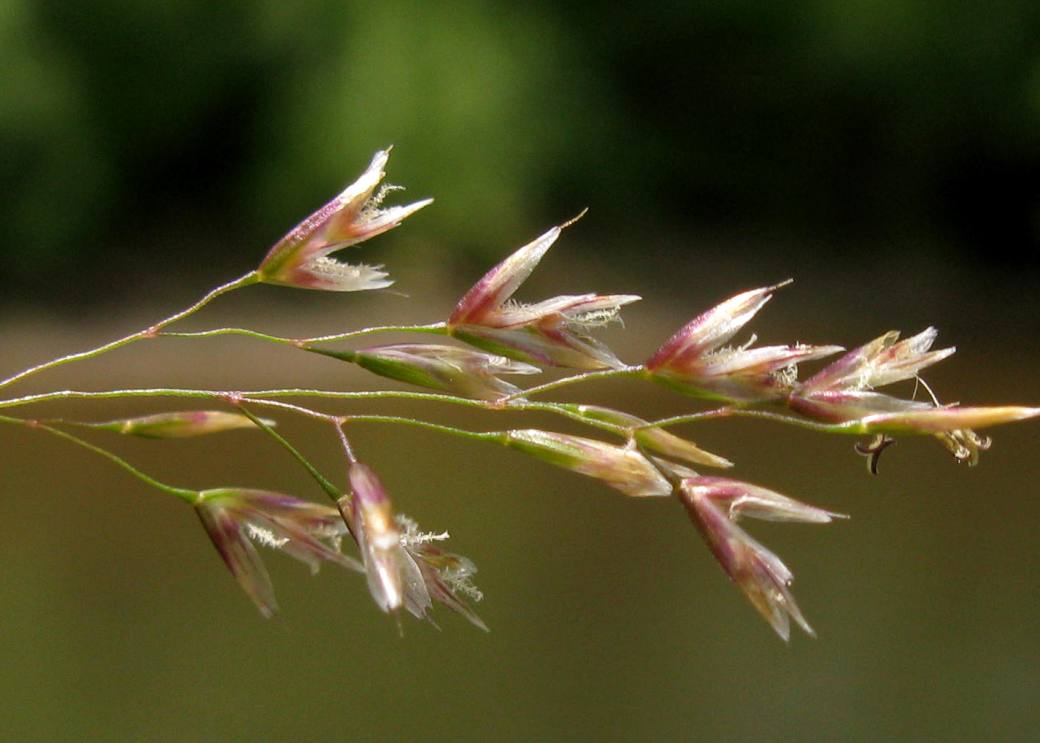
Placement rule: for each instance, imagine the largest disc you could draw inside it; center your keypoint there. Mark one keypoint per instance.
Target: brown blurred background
(885, 155)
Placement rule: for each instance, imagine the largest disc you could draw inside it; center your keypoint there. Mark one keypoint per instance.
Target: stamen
(872, 451)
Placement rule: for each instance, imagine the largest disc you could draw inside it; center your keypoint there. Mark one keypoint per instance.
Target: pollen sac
(953, 426)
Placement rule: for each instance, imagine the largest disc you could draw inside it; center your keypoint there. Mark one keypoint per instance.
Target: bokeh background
(886, 155)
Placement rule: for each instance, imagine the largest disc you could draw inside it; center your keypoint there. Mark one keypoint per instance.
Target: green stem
(189, 496)
(437, 328)
(226, 395)
(489, 436)
(340, 420)
(676, 420)
(300, 409)
(323, 482)
(568, 410)
(150, 332)
(628, 371)
(231, 331)
(852, 427)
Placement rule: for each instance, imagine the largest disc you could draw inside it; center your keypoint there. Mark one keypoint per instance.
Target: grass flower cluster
(487, 336)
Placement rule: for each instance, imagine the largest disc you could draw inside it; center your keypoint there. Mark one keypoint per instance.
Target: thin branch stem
(489, 436)
(628, 371)
(231, 331)
(230, 395)
(186, 495)
(676, 420)
(256, 395)
(852, 427)
(437, 328)
(298, 409)
(323, 482)
(345, 442)
(149, 332)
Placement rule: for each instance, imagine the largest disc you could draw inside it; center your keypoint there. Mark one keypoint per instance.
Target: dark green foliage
(135, 130)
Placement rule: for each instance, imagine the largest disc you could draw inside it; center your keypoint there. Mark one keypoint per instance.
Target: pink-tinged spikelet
(714, 505)
(623, 468)
(300, 259)
(458, 371)
(235, 518)
(552, 332)
(843, 393)
(405, 569)
(695, 360)
(182, 424)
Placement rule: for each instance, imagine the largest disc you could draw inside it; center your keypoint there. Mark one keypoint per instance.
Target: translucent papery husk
(669, 445)
(300, 259)
(843, 406)
(575, 310)
(873, 412)
(320, 520)
(498, 284)
(550, 343)
(181, 424)
(653, 438)
(710, 329)
(241, 558)
(417, 599)
(434, 565)
(548, 333)
(403, 569)
(946, 419)
(859, 412)
(390, 571)
(742, 499)
(759, 573)
(952, 426)
(236, 517)
(304, 543)
(458, 371)
(306, 531)
(392, 576)
(883, 361)
(622, 468)
(331, 224)
(741, 375)
(753, 363)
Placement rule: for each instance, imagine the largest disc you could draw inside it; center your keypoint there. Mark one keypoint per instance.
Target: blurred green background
(885, 154)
